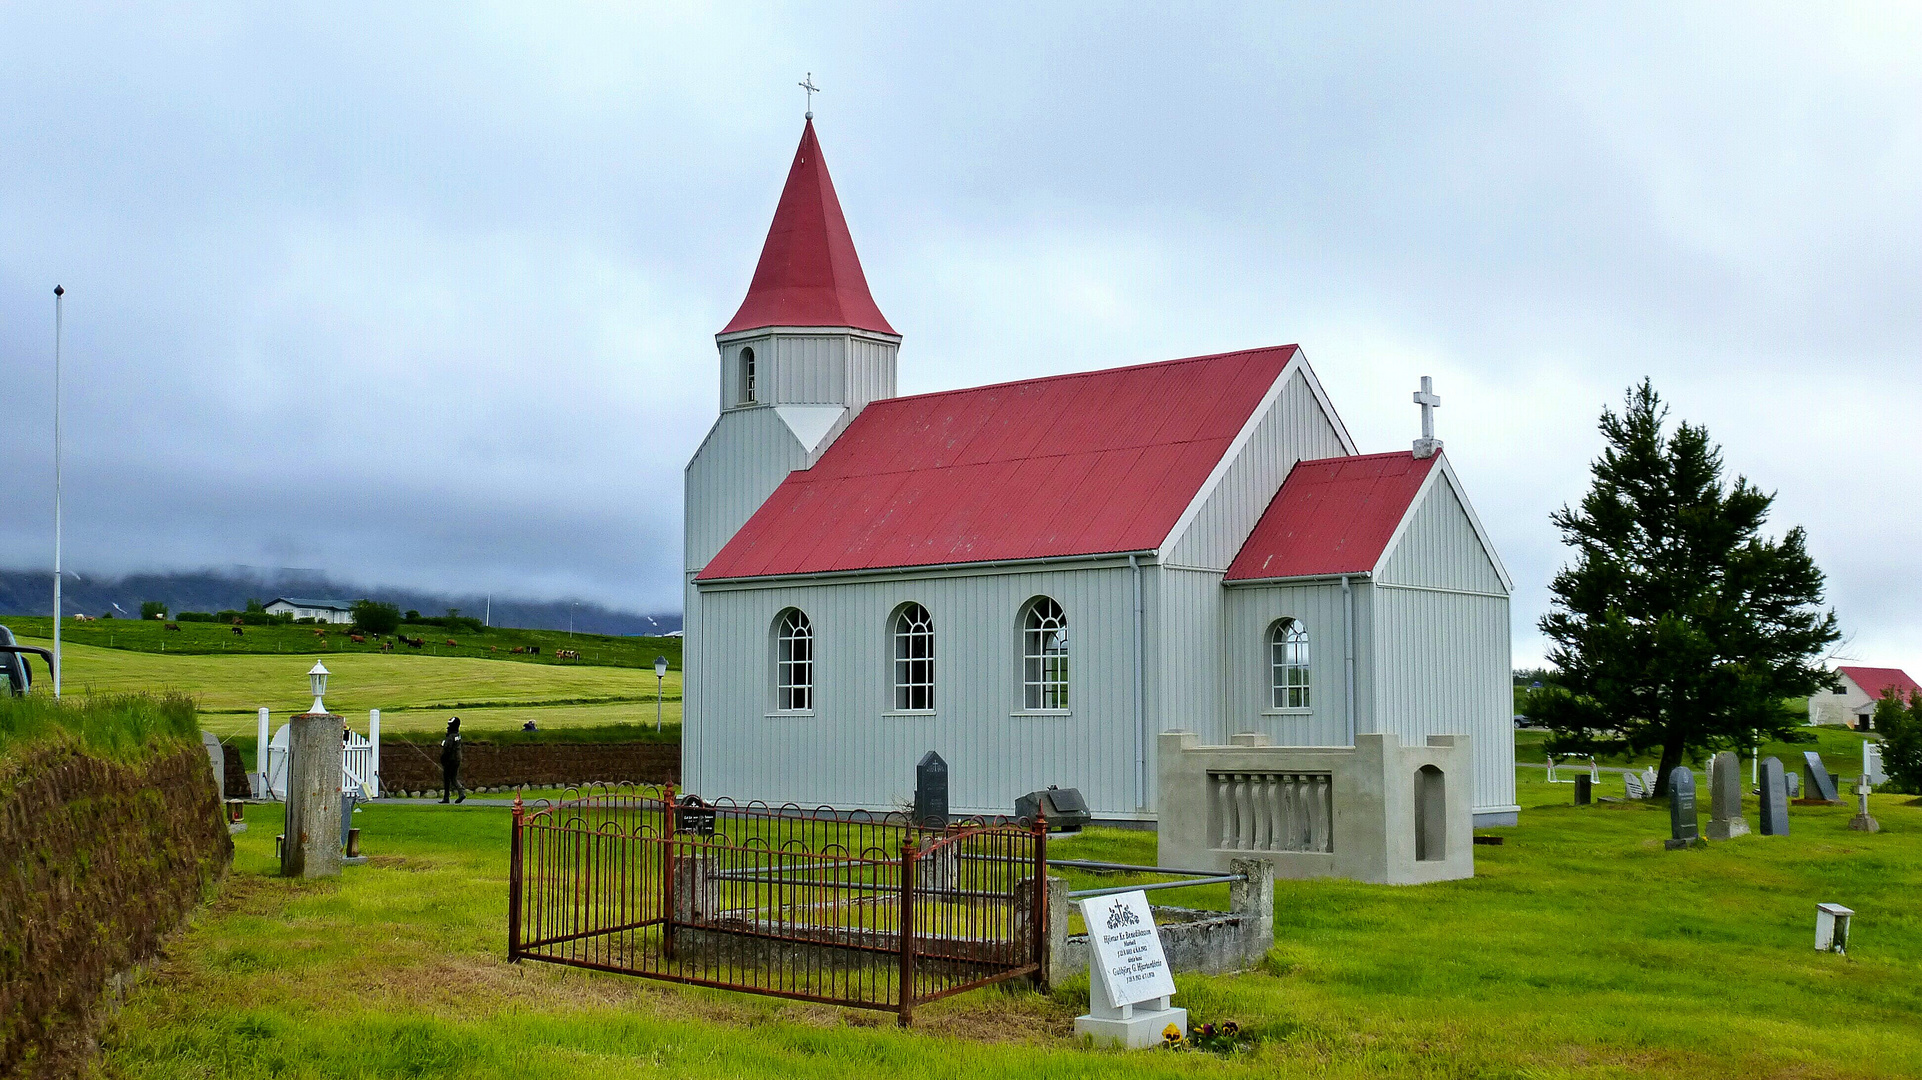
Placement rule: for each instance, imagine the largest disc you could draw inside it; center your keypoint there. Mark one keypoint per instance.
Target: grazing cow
(238, 632)
(173, 626)
(534, 650)
(415, 643)
(320, 633)
(518, 650)
(356, 639)
(451, 643)
(386, 646)
(566, 654)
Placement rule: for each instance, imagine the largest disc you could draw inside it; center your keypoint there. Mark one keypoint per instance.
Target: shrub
(375, 617)
(1900, 723)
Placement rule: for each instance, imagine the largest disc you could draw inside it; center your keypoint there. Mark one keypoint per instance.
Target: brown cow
(173, 626)
(451, 643)
(357, 639)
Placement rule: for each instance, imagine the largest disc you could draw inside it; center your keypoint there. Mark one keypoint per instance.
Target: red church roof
(1105, 461)
(1877, 681)
(809, 274)
(1332, 516)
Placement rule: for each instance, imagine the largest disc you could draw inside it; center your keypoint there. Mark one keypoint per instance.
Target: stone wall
(98, 863)
(411, 766)
(1209, 942)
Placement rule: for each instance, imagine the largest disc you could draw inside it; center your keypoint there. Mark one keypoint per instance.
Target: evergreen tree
(1679, 625)
(1900, 724)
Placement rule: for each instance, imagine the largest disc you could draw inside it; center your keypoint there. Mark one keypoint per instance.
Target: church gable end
(1440, 544)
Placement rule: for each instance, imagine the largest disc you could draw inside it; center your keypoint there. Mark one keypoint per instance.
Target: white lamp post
(317, 678)
(660, 684)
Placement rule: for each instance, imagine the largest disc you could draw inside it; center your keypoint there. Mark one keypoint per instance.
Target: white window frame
(911, 631)
(747, 375)
(1044, 657)
(1290, 667)
(793, 662)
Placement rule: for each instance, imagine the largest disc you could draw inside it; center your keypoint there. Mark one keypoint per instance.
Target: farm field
(414, 693)
(496, 643)
(1581, 949)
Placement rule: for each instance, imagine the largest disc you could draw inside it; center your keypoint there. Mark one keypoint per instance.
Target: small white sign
(1127, 947)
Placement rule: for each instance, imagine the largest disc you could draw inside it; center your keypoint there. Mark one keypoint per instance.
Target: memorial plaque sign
(1821, 784)
(1775, 799)
(931, 791)
(1127, 948)
(1684, 826)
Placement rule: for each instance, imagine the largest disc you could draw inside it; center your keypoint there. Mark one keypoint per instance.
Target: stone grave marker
(1684, 825)
(1130, 985)
(1725, 820)
(1821, 784)
(1584, 790)
(931, 791)
(1792, 783)
(1775, 799)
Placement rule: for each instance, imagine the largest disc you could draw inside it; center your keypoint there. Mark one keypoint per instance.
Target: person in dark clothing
(450, 763)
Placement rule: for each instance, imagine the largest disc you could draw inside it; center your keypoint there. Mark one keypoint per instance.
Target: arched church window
(747, 374)
(1044, 655)
(793, 661)
(913, 659)
(1288, 665)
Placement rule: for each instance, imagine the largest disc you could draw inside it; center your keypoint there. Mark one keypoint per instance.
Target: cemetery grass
(1580, 949)
(1840, 747)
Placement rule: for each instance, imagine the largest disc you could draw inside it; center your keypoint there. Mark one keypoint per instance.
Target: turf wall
(411, 766)
(99, 861)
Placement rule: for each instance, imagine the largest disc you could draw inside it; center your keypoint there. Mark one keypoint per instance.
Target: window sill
(1019, 713)
(908, 712)
(782, 714)
(1288, 712)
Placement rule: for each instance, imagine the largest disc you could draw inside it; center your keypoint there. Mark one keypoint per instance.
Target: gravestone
(1129, 984)
(1584, 790)
(1863, 821)
(1632, 786)
(1725, 820)
(1792, 783)
(1775, 799)
(1821, 784)
(931, 791)
(217, 758)
(1683, 823)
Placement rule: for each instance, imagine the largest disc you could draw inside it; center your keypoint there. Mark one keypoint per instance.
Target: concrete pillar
(312, 845)
(1254, 900)
(1054, 954)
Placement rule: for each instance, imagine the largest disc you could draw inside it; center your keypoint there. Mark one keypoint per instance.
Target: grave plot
(845, 908)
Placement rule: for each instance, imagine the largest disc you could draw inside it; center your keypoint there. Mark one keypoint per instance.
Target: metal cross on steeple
(1429, 401)
(808, 85)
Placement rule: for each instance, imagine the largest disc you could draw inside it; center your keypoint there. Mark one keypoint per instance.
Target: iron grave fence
(846, 908)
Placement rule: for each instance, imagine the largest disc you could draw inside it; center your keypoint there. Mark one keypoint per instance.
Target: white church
(1036, 578)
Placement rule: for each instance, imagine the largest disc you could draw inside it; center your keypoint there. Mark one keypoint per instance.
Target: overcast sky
(429, 298)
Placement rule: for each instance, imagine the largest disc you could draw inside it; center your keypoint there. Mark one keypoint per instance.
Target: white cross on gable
(1429, 402)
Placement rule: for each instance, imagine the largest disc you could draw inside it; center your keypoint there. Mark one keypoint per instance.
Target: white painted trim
(1440, 589)
(1327, 406)
(779, 715)
(1358, 577)
(724, 340)
(1446, 472)
(1022, 713)
(1233, 452)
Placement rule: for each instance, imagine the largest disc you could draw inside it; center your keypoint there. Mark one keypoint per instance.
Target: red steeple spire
(809, 274)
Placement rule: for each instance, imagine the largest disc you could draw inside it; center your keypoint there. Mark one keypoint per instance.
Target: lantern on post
(660, 685)
(317, 678)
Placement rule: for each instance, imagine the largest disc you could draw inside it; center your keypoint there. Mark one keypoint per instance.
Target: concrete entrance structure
(1378, 811)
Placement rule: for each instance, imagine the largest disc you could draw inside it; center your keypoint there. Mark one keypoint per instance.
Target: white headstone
(1130, 984)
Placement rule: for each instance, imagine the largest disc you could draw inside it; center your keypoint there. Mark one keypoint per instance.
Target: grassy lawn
(1580, 949)
(496, 643)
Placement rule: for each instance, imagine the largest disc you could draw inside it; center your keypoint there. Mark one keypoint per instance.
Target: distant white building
(1862, 687)
(1037, 578)
(328, 611)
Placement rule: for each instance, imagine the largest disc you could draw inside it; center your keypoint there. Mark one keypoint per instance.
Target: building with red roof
(1862, 687)
(1036, 578)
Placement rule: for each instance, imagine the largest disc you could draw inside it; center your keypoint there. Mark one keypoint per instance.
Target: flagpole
(58, 300)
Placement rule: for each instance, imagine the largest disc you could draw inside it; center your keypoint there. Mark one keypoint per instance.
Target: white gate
(359, 761)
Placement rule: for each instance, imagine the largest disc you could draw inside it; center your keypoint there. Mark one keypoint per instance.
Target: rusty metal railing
(846, 908)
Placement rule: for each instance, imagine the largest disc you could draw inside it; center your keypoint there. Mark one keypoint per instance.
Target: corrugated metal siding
(852, 753)
(1250, 612)
(1294, 429)
(745, 457)
(1443, 668)
(870, 371)
(1440, 548)
(808, 370)
(1184, 644)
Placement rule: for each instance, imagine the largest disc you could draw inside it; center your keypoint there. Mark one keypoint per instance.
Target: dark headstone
(1683, 823)
(931, 791)
(1821, 784)
(1584, 790)
(1775, 799)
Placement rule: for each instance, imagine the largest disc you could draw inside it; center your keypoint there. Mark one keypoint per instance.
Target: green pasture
(1580, 949)
(218, 639)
